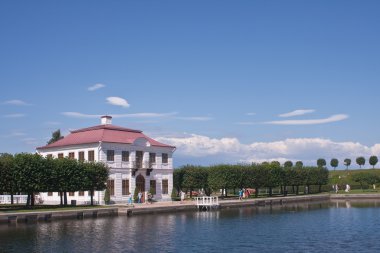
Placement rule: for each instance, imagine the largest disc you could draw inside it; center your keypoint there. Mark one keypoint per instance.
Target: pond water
(307, 227)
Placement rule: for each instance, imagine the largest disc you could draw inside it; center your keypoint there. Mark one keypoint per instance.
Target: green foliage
(55, 136)
(135, 195)
(7, 174)
(373, 160)
(321, 162)
(360, 161)
(174, 194)
(347, 162)
(107, 196)
(299, 164)
(334, 163)
(276, 163)
(288, 164)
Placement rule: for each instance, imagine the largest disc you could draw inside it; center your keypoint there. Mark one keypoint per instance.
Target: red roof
(103, 133)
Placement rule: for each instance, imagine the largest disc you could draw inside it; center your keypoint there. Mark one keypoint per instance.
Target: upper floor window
(71, 155)
(110, 155)
(152, 157)
(165, 158)
(49, 156)
(91, 155)
(125, 156)
(81, 156)
(60, 155)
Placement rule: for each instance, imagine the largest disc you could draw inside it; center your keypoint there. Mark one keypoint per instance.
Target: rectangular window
(81, 193)
(110, 155)
(125, 156)
(153, 187)
(125, 185)
(49, 156)
(50, 194)
(71, 155)
(60, 155)
(111, 187)
(71, 193)
(165, 158)
(165, 186)
(152, 157)
(81, 156)
(91, 155)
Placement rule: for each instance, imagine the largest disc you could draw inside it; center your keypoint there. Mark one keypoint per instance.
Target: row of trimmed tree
(373, 160)
(256, 176)
(32, 173)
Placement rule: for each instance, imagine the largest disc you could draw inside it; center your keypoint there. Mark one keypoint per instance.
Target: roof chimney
(106, 120)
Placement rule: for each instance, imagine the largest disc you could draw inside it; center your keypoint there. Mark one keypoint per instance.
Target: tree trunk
(293, 189)
(65, 198)
(32, 199)
(12, 201)
(92, 197)
(320, 188)
(256, 192)
(270, 192)
(285, 191)
(297, 190)
(28, 200)
(191, 193)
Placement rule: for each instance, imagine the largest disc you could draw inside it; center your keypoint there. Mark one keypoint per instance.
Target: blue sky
(211, 77)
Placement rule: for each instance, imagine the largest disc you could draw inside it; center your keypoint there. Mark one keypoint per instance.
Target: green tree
(360, 178)
(360, 161)
(275, 163)
(347, 163)
(7, 175)
(321, 162)
(373, 160)
(195, 178)
(299, 164)
(222, 177)
(31, 174)
(288, 164)
(96, 175)
(334, 163)
(107, 196)
(55, 136)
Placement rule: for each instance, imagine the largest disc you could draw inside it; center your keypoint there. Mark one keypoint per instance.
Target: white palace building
(135, 161)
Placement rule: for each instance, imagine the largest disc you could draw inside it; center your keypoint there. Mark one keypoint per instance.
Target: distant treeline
(256, 176)
(32, 173)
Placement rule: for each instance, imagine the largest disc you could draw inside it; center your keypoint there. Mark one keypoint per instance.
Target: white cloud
(30, 141)
(96, 86)
(333, 118)
(130, 115)
(199, 118)
(16, 102)
(118, 101)
(14, 115)
(296, 113)
(14, 134)
(305, 149)
(251, 113)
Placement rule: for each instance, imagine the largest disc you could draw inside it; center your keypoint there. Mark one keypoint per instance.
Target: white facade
(146, 170)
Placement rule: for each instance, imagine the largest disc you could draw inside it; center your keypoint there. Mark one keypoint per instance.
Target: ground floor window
(165, 186)
(71, 193)
(111, 186)
(153, 187)
(81, 193)
(125, 186)
(50, 193)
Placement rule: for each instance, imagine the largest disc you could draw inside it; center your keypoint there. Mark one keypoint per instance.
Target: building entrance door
(140, 183)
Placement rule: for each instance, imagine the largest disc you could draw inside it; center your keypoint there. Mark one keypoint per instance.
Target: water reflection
(300, 227)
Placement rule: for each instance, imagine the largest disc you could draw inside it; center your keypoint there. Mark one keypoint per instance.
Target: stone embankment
(168, 207)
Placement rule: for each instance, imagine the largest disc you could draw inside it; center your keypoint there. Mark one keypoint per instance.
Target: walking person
(241, 194)
(182, 196)
(139, 195)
